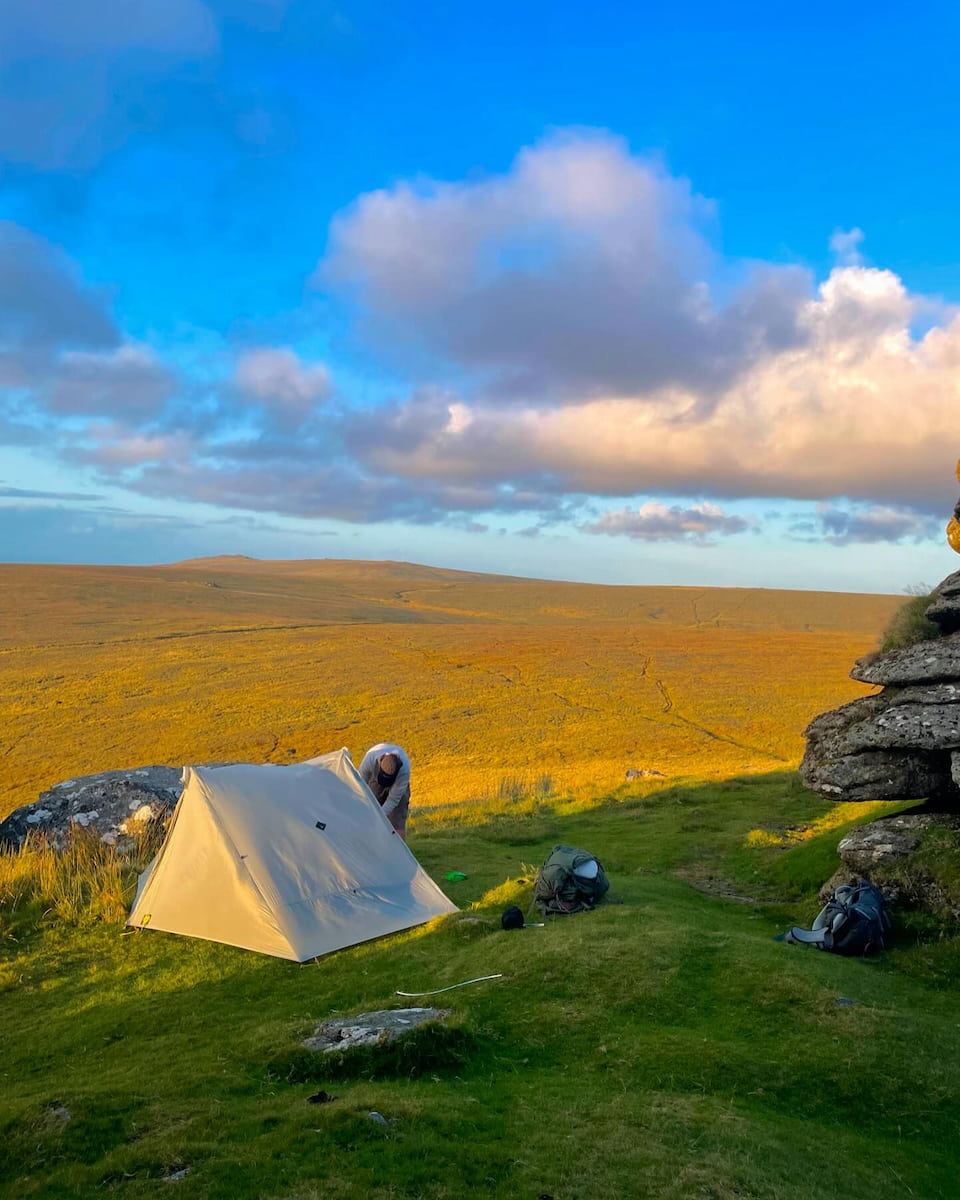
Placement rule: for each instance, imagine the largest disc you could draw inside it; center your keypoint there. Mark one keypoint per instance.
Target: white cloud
(582, 270)
(587, 358)
(859, 409)
(845, 244)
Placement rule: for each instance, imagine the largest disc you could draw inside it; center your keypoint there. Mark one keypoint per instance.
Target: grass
(662, 1047)
(81, 884)
(909, 624)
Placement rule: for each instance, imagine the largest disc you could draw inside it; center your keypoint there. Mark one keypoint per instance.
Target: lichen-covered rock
(875, 775)
(881, 842)
(852, 755)
(117, 805)
(909, 727)
(828, 732)
(909, 857)
(930, 693)
(945, 609)
(370, 1029)
(924, 662)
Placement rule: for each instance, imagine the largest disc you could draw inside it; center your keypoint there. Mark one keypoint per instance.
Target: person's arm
(399, 789)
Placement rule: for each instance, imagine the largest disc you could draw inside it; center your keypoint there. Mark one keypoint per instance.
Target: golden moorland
(492, 683)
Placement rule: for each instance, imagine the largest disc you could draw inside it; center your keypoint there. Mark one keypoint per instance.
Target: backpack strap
(822, 938)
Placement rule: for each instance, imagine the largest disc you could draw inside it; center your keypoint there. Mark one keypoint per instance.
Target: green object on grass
(454, 876)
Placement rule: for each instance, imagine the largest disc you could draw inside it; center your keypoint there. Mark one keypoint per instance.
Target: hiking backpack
(558, 887)
(851, 922)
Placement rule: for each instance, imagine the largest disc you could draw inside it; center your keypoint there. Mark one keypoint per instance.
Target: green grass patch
(909, 624)
(663, 1047)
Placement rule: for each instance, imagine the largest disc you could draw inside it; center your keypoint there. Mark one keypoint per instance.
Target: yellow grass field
(491, 683)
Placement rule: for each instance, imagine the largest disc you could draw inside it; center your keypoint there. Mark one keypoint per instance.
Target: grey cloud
(842, 527)
(71, 29)
(579, 273)
(37, 532)
(32, 532)
(65, 64)
(254, 525)
(287, 389)
(43, 306)
(13, 493)
(340, 491)
(654, 522)
(130, 383)
(397, 427)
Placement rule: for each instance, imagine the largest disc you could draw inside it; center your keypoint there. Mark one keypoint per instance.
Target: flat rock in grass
(370, 1029)
(891, 839)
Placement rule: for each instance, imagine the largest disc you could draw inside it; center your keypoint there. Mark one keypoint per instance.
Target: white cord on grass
(437, 991)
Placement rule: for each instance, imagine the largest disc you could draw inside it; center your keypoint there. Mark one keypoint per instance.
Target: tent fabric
(294, 861)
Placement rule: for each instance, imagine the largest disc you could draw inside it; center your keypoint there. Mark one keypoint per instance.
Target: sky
(616, 293)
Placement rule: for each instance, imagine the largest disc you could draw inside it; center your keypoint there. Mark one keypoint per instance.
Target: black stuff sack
(512, 918)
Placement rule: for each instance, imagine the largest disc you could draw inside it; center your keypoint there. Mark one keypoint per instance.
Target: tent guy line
(437, 991)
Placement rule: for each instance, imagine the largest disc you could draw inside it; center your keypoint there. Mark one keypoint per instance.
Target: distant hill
(491, 682)
(97, 603)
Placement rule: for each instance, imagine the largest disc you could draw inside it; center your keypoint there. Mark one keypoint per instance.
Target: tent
(294, 861)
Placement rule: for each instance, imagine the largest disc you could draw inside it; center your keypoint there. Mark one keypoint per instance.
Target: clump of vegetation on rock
(909, 624)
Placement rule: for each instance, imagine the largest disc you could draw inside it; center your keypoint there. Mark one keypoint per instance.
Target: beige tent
(294, 861)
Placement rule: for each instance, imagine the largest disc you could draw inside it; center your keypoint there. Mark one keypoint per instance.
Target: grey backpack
(568, 882)
(852, 922)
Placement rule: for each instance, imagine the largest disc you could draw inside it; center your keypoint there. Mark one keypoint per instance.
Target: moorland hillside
(491, 682)
(663, 1046)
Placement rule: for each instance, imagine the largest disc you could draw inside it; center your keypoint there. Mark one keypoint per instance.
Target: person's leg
(398, 818)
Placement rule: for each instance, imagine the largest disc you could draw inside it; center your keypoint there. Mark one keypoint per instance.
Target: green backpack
(567, 882)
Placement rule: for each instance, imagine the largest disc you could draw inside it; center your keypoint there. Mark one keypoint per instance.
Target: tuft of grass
(909, 624)
(81, 882)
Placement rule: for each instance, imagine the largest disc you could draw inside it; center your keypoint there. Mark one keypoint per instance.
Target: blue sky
(626, 294)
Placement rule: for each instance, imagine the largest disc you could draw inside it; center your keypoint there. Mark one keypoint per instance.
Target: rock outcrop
(903, 855)
(904, 742)
(116, 805)
(945, 610)
(901, 744)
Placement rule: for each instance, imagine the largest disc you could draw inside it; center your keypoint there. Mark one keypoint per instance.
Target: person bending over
(385, 770)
